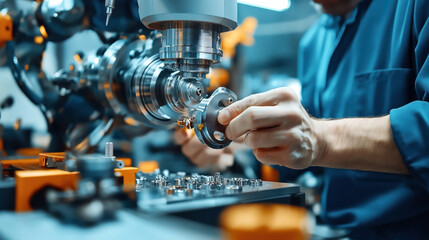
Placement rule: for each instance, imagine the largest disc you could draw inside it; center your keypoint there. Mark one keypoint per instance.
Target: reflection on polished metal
(206, 126)
(61, 19)
(191, 29)
(178, 183)
(108, 151)
(190, 192)
(190, 47)
(110, 5)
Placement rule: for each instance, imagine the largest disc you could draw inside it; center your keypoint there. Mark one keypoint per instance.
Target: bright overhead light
(276, 5)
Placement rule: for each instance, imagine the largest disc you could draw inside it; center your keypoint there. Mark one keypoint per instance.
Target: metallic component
(187, 122)
(190, 47)
(110, 5)
(178, 182)
(153, 82)
(108, 153)
(180, 192)
(220, 12)
(95, 166)
(140, 181)
(109, 149)
(191, 30)
(207, 128)
(96, 197)
(60, 19)
(234, 189)
(145, 89)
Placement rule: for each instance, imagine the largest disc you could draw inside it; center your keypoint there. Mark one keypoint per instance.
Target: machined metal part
(191, 29)
(61, 19)
(190, 47)
(110, 5)
(206, 126)
(108, 153)
(183, 192)
(97, 196)
(144, 88)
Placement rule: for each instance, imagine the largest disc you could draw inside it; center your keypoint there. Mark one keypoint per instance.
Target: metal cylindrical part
(110, 4)
(190, 40)
(108, 150)
(191, 47)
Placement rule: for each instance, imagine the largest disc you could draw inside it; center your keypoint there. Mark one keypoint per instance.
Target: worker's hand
(276, 127)
(201, 155)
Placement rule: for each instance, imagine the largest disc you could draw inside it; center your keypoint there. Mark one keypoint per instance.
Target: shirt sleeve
(410, 123)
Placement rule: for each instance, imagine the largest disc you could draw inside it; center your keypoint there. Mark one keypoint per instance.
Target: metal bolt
(108, 150)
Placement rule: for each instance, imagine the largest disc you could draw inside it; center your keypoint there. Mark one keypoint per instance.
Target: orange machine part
(30, 181)
(129, 177)
(6, 29)
(33, 176)
(20, 162)
(264, 221)
(219, 77)
(29, 151)
(269, 173)
(2, 152)
(243, 34)
(127, 161)
(148, 166)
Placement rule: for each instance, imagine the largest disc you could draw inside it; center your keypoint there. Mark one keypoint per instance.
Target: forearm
(359, 143)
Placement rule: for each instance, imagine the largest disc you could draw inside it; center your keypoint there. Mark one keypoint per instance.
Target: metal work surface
(128, 224)
(177, 192)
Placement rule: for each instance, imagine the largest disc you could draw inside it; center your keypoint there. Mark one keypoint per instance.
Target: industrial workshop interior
(214, 119)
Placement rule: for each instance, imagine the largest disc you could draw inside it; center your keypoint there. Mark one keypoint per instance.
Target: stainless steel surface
(108, 149)
(110, 5)
(178, 192)
(191, 31)
(191, 47)
(207, 128)
(61, 19)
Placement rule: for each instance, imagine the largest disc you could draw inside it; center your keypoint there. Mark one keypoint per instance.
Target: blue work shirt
(374, 62)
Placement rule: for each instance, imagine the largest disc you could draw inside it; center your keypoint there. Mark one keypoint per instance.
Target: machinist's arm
(280, 132)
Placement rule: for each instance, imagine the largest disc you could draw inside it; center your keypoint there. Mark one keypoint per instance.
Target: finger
(192, 148)
(270, 156)
(263, 117)
(224, 161)
(207, 157)
(181, 136)
(268, 138)
(269, 98)
(240, 139)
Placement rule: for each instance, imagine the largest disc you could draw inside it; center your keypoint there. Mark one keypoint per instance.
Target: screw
(108, 149)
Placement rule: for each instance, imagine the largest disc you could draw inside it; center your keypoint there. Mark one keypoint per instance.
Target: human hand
(201, 155)
(276, 127)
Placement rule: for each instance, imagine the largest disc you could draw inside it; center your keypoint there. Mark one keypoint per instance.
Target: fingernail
(224, 115)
